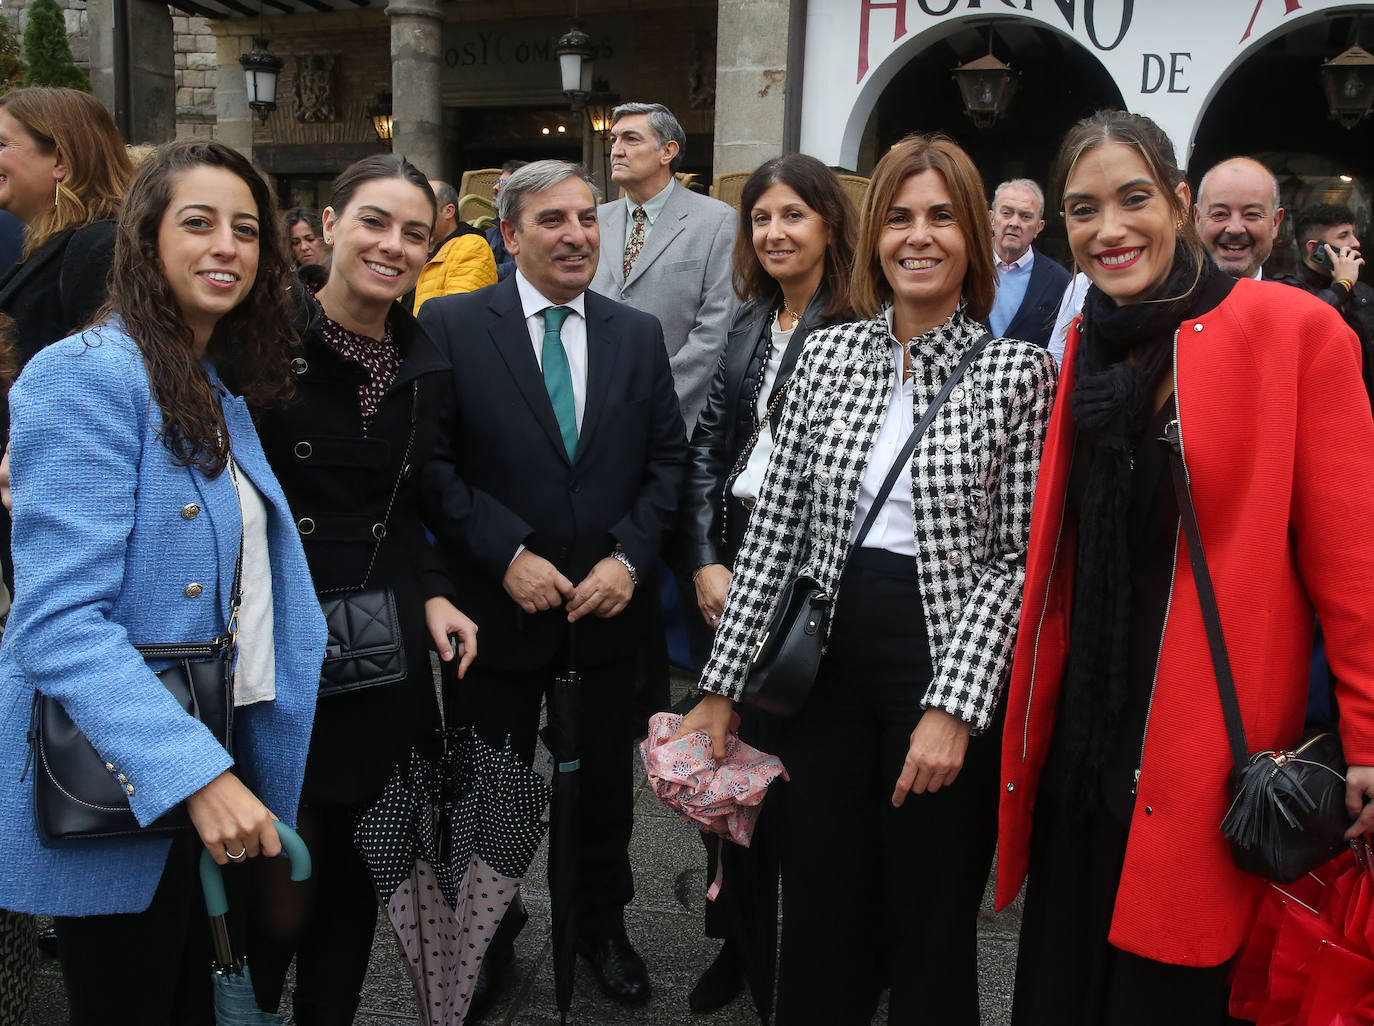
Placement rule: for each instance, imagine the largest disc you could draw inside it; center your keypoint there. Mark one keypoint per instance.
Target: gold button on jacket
(192, 590)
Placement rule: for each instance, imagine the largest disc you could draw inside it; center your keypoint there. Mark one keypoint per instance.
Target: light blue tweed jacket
(106, 548)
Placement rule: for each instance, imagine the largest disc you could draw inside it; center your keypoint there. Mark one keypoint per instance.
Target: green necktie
(558, 377)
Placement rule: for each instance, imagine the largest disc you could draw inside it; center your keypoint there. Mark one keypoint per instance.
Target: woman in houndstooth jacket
(890, 819)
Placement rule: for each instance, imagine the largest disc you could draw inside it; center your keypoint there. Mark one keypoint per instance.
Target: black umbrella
(563, 738)
(448, 844)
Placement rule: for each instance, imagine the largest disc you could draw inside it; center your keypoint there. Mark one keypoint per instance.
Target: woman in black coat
(63, 172)
(370, 387)
(792, 259)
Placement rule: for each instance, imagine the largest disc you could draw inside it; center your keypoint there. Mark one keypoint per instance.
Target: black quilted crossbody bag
(365, 648)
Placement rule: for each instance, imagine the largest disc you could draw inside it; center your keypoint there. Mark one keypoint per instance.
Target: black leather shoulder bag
(1287, 814)
(788, 656)
(76, 793)
(365, 647)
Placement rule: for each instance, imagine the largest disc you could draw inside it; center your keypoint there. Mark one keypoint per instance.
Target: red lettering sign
(866, 9)
(1289, 6)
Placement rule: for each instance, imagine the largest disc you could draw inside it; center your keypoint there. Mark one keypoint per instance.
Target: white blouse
(255, 672)
(746, 486)
(895, 528)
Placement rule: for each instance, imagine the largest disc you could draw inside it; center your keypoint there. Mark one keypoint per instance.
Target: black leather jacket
(710, 526)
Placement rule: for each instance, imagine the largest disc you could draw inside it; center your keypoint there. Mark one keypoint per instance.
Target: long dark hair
(820, 190)
(249, 344)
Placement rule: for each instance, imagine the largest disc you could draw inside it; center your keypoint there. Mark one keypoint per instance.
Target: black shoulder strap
(1207, 598)
(904, 456)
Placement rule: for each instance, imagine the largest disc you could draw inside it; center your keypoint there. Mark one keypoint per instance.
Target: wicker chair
(479, 182)
(728, 187)
(473, 207)
(855, 187)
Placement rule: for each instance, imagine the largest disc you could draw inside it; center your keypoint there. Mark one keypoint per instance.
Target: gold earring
(57, 194)
(1179, 226)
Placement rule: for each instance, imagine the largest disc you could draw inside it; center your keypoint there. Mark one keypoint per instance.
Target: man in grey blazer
(673, 260)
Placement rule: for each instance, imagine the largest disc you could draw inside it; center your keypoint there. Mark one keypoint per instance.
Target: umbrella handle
(212, 883)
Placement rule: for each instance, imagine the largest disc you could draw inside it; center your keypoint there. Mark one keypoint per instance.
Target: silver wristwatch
(618, 554)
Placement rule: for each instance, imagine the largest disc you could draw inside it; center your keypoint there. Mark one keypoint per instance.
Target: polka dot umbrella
(448, 844)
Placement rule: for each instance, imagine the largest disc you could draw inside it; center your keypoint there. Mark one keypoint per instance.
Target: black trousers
(874, 895)
(150, 967)
(326, 922)
(503, 706)
(1067, 974)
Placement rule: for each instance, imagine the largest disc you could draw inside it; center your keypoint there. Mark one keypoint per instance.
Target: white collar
(532, 301)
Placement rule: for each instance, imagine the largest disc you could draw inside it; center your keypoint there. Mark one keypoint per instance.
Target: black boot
(307, 1012)
(497, 960)
(719, 984)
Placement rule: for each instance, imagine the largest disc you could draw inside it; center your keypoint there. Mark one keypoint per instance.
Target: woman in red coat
(1115, 757)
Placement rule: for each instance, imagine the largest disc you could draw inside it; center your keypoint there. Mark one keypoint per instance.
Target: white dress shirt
(574, 335)
(746, 486)
(1069, 308)
(895, 527)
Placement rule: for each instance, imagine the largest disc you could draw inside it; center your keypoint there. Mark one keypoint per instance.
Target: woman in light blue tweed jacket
(135, 468)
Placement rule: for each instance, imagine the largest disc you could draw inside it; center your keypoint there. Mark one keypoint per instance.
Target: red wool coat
(1279, 443)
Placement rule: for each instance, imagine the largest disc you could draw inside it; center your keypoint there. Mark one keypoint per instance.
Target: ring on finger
(235, 856)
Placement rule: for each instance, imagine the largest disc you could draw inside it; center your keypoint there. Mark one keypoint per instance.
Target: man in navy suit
(557, 473)
(1029, 284)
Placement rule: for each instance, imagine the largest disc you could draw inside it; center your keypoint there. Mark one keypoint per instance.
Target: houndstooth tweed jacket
(973, 479)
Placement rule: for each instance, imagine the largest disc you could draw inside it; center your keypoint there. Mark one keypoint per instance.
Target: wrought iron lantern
(379, 113)
(1348, 79)
(987, 86)
(575, 52)
(260, 70)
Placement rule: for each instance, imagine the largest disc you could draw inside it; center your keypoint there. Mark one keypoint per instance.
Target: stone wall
(194, 52)
(73, 12)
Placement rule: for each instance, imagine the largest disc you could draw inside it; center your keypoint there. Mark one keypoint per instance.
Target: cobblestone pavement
(665, 924)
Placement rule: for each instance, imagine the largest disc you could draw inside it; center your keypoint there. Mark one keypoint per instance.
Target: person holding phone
(1330, 270)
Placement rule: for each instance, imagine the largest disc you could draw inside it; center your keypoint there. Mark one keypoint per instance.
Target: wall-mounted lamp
(260, 70)
(379, 113)
(575, 51)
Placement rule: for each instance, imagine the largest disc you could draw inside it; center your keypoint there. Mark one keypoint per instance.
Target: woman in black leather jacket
(370, 390)
(792, 260)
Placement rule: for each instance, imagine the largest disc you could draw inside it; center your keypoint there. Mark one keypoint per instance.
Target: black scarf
(1112, 403)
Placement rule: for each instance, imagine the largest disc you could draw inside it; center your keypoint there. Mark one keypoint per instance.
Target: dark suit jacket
(1034, 320)
(500, 477)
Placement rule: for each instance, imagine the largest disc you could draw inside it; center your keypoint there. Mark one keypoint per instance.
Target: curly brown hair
(249, 345)
(80, 129)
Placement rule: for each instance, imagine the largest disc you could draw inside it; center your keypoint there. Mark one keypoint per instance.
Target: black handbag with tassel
(788, 656)
(366, 648)
(1287, 813)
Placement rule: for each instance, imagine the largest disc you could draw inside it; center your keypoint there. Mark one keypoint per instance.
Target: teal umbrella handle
(216, 904)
